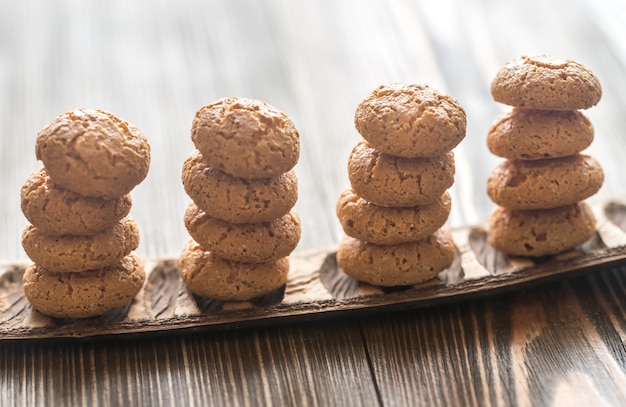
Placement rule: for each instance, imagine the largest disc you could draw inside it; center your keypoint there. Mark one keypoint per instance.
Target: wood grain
(533, 347)
(550, 345)
(156, 62)
(317, 288)
(308, 365)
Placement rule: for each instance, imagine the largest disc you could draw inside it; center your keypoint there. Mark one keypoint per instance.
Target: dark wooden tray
(316, 288)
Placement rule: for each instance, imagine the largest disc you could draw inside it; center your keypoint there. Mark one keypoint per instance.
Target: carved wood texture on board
(317, 288)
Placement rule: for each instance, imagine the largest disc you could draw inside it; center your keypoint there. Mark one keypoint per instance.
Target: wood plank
(317, 288)
(308, 364)
(557, 345)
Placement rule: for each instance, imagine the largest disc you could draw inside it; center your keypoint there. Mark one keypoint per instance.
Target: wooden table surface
(155, 63)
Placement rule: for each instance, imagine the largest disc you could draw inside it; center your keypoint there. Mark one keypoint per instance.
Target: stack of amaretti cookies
(243, 188)
(541, 186)
(398, 202)
(80, 236)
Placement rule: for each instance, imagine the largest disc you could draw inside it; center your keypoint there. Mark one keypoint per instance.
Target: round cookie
(540, 232)
(387, 180)
(210, 276)
(87, 294)
(57, 211)
(547, 83)
(385, 226)
(544, 184)
(246, 138)
(93, 153)
(244, 242)
(527, 134)
(397, 265)
(79, 253)
(238, 200)
(409, 120)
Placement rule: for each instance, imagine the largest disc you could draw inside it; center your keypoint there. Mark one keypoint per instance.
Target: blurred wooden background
(154, 63)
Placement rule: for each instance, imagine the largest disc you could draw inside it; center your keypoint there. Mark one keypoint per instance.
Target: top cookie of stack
(242, 185)
(546, 82)
(541, 186)
(393, 212)
(80, 237)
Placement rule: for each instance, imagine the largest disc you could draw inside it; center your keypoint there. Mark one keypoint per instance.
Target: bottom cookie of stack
(397, 265)
(540, 232)
(87, 293)
(209, 275)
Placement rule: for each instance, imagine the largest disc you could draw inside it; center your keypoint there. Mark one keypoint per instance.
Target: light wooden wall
(155, 63)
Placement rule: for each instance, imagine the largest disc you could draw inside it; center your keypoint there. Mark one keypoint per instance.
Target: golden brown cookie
(244, 242)
(387, 180)
(78, 253)
(58, 211)
(93, 153)
(384, 226)
(87, 294)
(547, 83)
(210, 276)
(396, 265)
(527, 134)
(238, 200)
(544, 184)
(246, 138)
(409, 120)
(540, 232)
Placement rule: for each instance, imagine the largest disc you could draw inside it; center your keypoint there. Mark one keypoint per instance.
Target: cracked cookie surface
(238, 200)
(528, 134)
(74, 254)
(544, 184)
(381, 225)
(58, 211)
(246, 138)
(547, 83)
(387, 180)
(209, 275)
(87, 294)
(410, 120)
(244, 242)
(396, 265)
(540, 232)
(93, 153)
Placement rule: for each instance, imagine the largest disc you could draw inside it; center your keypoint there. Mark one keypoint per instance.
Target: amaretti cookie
(396, 265)
(209, 275)
(387, 226)
(80, 236)
(399, 174)
(246, 138)
(70, 253)
(540, 232)
(86, 294)
(245, 242)
(528, 134)
(410, 120)
(388, 180)
(57, 211)
(243, 188)
(540, 188)
(93, 153)
(547, 83)
(235, 199)
(544, 184)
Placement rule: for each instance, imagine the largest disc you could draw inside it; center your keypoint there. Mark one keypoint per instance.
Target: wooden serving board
(316, 288)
